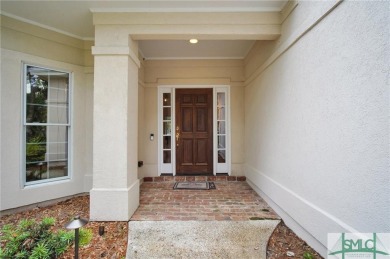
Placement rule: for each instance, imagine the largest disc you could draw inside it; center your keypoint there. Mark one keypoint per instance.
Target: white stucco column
(115, 191)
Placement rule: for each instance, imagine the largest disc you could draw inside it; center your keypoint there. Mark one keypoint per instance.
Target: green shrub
(33, 240)
(41, 251)
(85, 236)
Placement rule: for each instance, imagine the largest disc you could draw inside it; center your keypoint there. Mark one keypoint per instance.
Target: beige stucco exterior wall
(21, 42)
(316, 120)
(141, 115)
(192, 72)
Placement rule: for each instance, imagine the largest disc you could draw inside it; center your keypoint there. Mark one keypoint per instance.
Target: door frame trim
(163, 169)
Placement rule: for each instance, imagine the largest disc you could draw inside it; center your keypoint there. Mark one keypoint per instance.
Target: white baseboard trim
(307, 220)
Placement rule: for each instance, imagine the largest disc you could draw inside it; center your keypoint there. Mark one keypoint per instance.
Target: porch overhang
(182, 26)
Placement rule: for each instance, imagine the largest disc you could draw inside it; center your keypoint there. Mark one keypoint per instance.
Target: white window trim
(222, 167)
(171, 169)
(166, 168)
(23, 182)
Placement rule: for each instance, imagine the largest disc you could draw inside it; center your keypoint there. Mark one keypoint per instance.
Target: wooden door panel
(194, 149)
(187, 99)
(188, 147)
(186, 122)
(201, 156)
(202, 98)
(201, 120)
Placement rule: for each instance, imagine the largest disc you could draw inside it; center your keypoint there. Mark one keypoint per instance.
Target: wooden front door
(194, 131)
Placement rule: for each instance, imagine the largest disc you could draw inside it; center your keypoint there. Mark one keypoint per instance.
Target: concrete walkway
(199, 239)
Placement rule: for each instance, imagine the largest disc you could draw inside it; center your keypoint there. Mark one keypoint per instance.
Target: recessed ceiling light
(193, 41)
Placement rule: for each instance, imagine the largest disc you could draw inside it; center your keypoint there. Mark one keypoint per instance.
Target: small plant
(34, 240)
(308, 255)
(85, 236)
(41, 251)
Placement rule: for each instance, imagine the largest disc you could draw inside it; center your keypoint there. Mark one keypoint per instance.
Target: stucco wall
(192, 72)
(141, 116)
(30, 39)
(317, 121)
(21, 42)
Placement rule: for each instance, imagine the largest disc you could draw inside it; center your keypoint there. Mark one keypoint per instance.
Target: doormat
(194, 185)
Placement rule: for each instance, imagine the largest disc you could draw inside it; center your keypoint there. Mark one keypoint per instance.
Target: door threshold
(194, 174)
(197, 174)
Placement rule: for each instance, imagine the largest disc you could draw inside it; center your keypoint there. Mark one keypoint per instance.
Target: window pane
(221, 99)
(221, 156)
(221, 142)
(47, 96)
(167, 128)
(35, 144)
(166, 157)
(221, 113)
(167, 142)
(221, 127)
(167, 113)
(46, 152)
(166, 99)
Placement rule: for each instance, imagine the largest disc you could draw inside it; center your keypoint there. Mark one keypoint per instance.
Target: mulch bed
(113, 243)
(284, 240)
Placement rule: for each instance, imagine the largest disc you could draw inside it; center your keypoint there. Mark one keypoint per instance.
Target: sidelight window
(221, 127)
(222, 147)
(167, 128)
(165, 109)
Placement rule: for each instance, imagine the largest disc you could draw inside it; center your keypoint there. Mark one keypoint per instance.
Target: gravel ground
(113, 244)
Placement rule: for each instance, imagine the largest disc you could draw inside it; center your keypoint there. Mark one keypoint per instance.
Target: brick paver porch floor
(229, 201)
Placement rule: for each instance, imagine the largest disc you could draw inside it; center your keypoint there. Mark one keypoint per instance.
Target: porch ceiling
(204, 49)
(74, 18)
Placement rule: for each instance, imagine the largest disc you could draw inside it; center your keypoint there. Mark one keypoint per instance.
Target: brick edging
(195, 178)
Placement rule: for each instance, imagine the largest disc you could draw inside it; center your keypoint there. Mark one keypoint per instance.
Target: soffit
(204, 49)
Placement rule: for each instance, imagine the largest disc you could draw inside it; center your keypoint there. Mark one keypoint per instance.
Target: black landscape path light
(75, 224)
